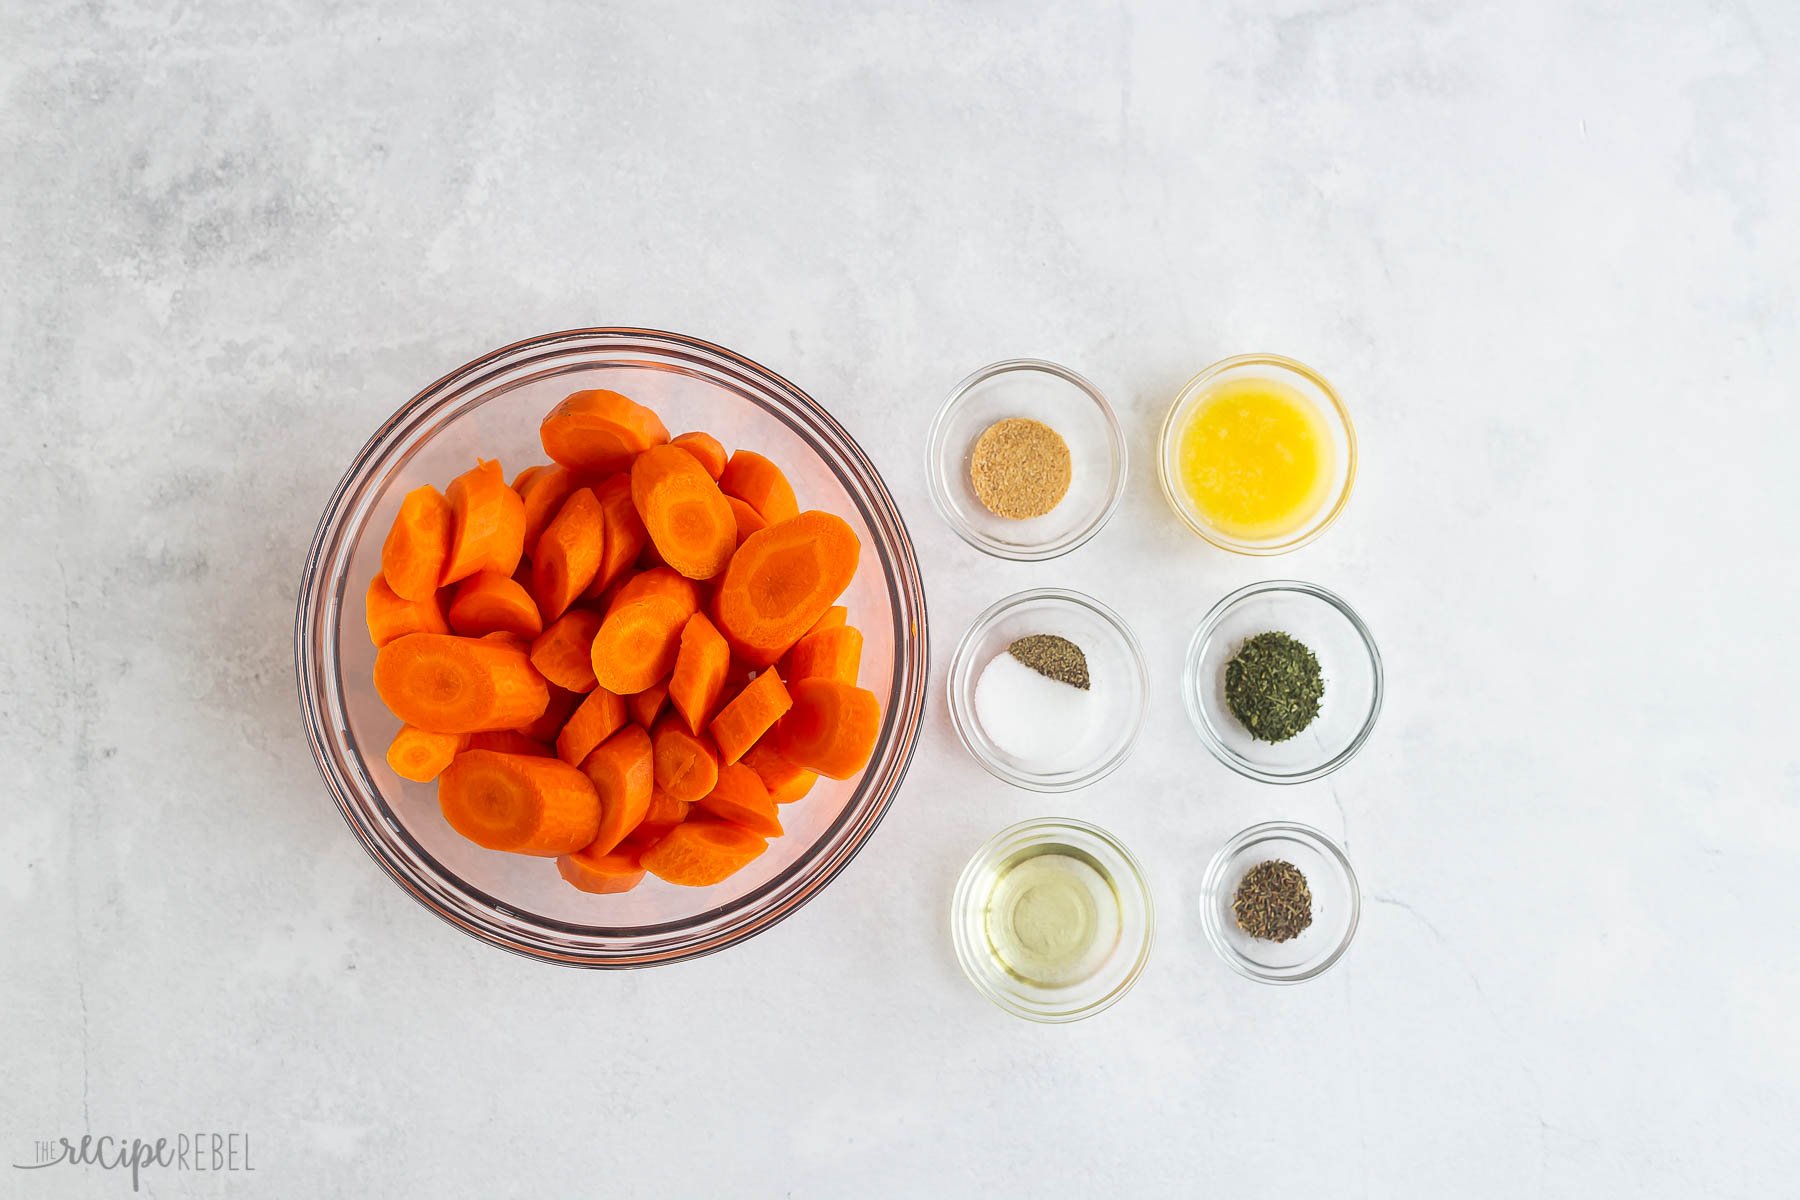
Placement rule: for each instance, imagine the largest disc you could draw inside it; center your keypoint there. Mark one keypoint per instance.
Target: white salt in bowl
(1107, 716)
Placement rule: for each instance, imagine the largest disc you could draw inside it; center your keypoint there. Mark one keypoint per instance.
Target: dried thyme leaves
(1273, 902)
(1052, 657)
(1274, 686)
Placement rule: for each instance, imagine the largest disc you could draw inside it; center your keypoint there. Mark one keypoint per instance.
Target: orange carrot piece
(637, 643)
(600, 716)
(543, 490)
(702, 853)
(700, 667)
(831, 728)
(625, 533)
(705, 448)
(834, 653)
(665, 809)
(751, 713)
(686, 766)
(562, 706)
(602, 874)
(657, 581)
(518, 802)
(834, 616)
(459, 685)
(418, 545)
(421, 755)
(780, 583)
(748, 519)
(567, 556)
(511, 641)
(508, 741)
(564, 652)
(740, 797)
(599, 431)
(786, 781)
(526, 476)
(689, 522)
(391, 617)
(760, 484)
(622, 771)
(489, 530)
(489, 602)
(645, 705)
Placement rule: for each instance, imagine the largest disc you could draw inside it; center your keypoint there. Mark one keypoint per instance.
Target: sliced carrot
(637, 643)
(601, 715)
(622, 771)
(511, 641)
(747, 518)
(420, 755)
(544, 494)
(834, 616)
(786, 781)
(389, 616)
(645, 705)
(517, 802)
(699, 677)
(686, 766)
(657, 581)
(625, 533)
(665, 809)
(489, 532)
(562, 706)
(751, 713)
(834, 653)
(564, 652)
(780, 583)
(526, 476)
(705, 448)
(831, 728)
(418, 545)
(689, 522)
(599, 431)
(760, 484)
(459, 685)
(603, 874)
(567, 555)
(702, 853)
(508, 741)
(740, 797)
(489, 602)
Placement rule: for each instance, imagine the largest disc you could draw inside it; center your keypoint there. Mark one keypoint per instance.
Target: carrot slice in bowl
(760, 484)
(568, 553)
(780, 583)
(706, 448)
(489, 602)
(740, 797)
(751, 713)
(606, 874)
(520, 803)
(489, 532)
(702, 853)
(689, 522)
(390, 616)
(459, 685)
(418, 545)
(599, 431)
(831, 728)
(623, 773)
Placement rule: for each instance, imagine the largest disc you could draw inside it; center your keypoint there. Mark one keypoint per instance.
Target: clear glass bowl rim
(935, 449)
(1222, 541)
(366, 812)
(1031, 833)
(1190, 672)
(962, 721)
(1212, 883)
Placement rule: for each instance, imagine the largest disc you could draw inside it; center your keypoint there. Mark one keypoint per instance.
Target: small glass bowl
(1347, 656)
(1308, 383)
(1137, 920)
(1115, 664)
(1336, 903)
(1061, 399)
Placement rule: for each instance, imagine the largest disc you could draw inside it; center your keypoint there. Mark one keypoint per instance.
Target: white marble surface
(1547, 251)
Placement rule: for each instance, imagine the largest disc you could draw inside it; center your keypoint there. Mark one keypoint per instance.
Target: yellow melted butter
(1255, 459)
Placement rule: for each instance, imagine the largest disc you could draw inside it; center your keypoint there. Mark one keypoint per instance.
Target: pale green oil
(1052, 917)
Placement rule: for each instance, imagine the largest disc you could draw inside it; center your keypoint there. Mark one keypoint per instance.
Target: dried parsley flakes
(1274, 686)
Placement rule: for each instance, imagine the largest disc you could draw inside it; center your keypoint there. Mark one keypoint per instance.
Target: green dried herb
(1053, 657)
(1273, 902)
(1274, 686)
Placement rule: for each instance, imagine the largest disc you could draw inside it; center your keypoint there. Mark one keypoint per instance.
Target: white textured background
(1547, 251)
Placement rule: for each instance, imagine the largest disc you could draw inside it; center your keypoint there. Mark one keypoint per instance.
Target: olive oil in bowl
(1052, 920)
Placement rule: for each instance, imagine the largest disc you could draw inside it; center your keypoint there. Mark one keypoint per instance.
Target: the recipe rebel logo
(191, 1152)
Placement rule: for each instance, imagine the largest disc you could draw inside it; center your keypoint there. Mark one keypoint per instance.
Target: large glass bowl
(492, 408)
